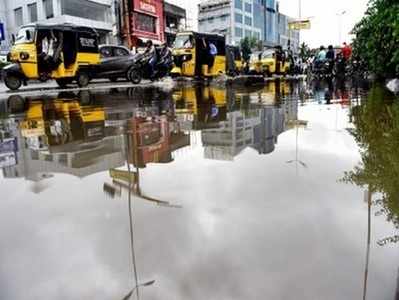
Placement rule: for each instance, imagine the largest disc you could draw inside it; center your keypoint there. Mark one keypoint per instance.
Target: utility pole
(340, 16)
(299, 9)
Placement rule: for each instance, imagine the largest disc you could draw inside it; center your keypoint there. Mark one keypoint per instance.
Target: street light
(340, 15)
(136, 287)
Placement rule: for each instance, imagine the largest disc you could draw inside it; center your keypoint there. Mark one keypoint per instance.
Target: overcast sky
(325, 22)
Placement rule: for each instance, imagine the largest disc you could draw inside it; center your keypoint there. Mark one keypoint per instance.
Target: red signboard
(148, 20)
(148, 6)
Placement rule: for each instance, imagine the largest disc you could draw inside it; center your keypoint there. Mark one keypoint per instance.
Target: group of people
(331, 56)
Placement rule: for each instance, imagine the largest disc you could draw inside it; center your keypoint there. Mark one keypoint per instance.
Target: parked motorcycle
(142, 70)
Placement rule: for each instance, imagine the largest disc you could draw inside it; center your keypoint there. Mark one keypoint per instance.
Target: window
(257, 35)
(248, 7)
(18, 16)
(120, 52)
(238, 18)
(144, 22)
(223, 18)
(238, 31)
(48, 8)
(25, 35)
(85, 9)
(105, 52)
(32, 9)
(248, 21)
(210, 20)
(238, 4)
(248, 33)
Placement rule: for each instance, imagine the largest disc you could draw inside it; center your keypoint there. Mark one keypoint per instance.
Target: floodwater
(287, 191)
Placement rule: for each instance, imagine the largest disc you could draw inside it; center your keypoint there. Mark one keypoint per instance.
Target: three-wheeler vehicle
(192, 56)
(64, 52)
(269, 62)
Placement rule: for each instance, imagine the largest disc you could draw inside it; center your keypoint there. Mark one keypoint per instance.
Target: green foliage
(377, 38)
(247, 44)
(377, 133)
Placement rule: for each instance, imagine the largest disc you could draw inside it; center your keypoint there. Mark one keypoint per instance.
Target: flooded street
(284, 191)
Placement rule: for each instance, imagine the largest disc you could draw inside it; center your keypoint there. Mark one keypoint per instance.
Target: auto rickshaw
(62, 52)
(63, 121)
(191, 54)
(269, 62)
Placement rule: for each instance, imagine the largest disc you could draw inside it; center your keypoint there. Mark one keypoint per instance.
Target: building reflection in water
(86, 133)
(231, 120)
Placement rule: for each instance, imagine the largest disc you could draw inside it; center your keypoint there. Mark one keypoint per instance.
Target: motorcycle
(323, 69)
(141, 69)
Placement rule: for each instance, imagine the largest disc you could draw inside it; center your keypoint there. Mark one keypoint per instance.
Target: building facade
(98, 14)
(286, 37)
(237, 19)
(175, 20)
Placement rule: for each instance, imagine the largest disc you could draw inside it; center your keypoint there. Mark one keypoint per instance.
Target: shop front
(147, 22)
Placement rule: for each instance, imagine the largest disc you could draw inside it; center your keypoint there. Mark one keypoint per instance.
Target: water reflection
(83, 134)
(193, 220)
(377, 133)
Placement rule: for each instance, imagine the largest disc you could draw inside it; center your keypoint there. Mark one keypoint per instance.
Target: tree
(377, 38)
(247, 44)
(377, 133)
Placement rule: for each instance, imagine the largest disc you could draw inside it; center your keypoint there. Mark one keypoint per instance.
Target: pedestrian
(213, 51)
(346, 51)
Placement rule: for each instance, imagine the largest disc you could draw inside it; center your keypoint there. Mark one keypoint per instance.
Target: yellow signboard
(299, 25)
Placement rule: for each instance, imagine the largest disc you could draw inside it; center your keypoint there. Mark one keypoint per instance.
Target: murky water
(285, 191)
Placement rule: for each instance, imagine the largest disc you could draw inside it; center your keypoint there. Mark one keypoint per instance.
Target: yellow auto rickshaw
(192, 55)
(62, 52)
(269, 62)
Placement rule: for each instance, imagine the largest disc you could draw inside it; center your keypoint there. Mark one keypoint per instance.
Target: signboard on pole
(2, 35)
(299, 25)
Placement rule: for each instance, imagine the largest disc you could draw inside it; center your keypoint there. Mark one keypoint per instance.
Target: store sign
(147, 6)
(299, 25)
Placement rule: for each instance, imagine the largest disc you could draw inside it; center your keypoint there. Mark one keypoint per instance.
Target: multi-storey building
(287, 37)
(234, 18)
(98, 14)
(237, 19)
(175, 20)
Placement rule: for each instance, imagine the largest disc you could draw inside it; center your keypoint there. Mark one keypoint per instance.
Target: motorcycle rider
(151, 53)
(165, 57)
(165, 54)
(330, 56)
(347, 51)
(321, 56)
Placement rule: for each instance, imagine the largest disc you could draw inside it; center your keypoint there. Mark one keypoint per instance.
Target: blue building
(234, 18)
(237, 19)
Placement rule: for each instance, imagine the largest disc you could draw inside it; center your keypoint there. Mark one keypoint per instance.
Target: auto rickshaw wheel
(267, 74)
(13, 82)
(83, 79)
(63, 82)
(16, 104)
